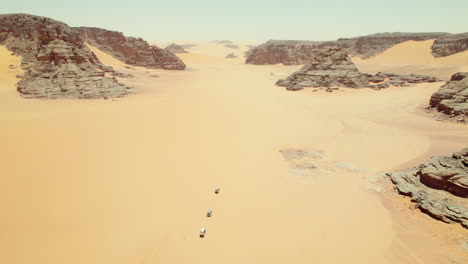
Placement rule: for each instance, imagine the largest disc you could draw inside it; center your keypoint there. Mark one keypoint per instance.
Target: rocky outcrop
(174, 48)
(452, 98)
(56, 62)
(300, 52)
(285, 52)
(133, 51)
(450, 44)
(331, 67)
(439, 186)
(328, 68)
(372, 45)
(231, 56)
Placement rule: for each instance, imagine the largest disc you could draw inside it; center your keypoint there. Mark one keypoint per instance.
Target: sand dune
(414, 57)
(8, 72)
(130, 180)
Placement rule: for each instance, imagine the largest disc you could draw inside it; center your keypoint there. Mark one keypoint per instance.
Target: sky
(254, 20)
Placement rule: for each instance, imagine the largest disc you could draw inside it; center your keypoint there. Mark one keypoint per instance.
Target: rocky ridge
(372, 45)
(174, 48)
(300, 52)
(285, 52)
(331, 67)
(452, 98)
(133, 51)
(438, 186)
(56, 62)
(450, 44)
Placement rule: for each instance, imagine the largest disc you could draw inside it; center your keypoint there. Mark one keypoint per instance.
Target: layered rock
(285, 52)
(174, 48)
(331, 67)
(452, 98)
(300, 52)
(372, 45)
(450, 44)
(133, 51)
(439, 186)
(56, 62)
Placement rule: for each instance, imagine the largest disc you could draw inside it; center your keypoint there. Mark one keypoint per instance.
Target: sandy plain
(129, 180)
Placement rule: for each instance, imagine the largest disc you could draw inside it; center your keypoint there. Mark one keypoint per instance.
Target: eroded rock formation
(331, 66)
(300, 52)
(450, 44)
(372, 45)
(133, 51)
(174, 48)
(285, 52)
(56, 61)
(439, 186)
(452, 98)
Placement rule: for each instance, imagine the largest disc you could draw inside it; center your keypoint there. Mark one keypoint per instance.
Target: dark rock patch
(438, 186)
(452, 98)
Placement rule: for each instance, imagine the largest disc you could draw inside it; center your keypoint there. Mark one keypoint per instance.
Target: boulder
(438, 186)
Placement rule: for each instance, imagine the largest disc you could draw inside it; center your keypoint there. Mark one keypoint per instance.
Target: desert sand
(414, 57)
(214, 48)
(130, 180)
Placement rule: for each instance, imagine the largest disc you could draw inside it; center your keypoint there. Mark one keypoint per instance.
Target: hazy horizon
(255, 20)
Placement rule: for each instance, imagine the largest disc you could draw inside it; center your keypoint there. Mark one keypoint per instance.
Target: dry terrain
(130, 180)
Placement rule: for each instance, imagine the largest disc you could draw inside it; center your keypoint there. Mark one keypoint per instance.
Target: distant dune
(414, 57)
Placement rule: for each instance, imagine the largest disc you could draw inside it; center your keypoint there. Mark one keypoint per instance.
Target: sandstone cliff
(450, 44)
(300, 52)
(285, 52)
(372, 45)
(56, 62)
(452, 98)
(133, 51)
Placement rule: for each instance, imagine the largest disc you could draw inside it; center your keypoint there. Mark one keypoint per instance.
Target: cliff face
(133, 51)
(438, 186)
(57, 64)
(450, 44)
(331, 67)
(300, 52)
(285, 52)
(452, 98)
(372, 45)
